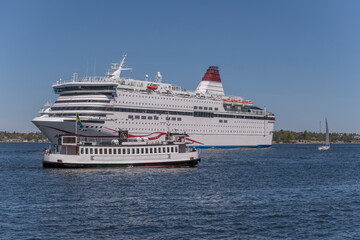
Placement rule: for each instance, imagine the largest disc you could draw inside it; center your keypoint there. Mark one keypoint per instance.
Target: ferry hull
(160, 160)
(188, 163)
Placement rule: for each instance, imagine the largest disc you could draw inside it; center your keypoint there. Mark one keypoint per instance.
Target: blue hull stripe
(231, 146)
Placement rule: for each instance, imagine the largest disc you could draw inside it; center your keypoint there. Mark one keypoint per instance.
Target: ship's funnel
(211, 82)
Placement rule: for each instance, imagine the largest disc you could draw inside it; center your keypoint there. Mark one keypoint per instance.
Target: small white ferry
(79, 152)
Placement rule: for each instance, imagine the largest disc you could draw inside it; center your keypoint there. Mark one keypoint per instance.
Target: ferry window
(179, 119)
(142, 151)
(155, 150)
(195, 107)
(100, 151)
(131, 117)
(114, 151)
(143, 117)
(128, 151)
(168, 149)
(205, 108)
(164, 149)
(167, 118)
(124, 151)
(159, 150)
(81, 151)
(172, 149)
(137, 117)
(119, 151)
(137, 151)
(210, 108)
(156, 118)
(91, 151)
(96, 151)
(200, 108)
(86, 151)
(216, 109)
(176, 149)
(146, 150)
(105, 151)
(150, 118)
(109, 150)
(151, 150)
(220, 121)
(173, 119)
(133, 150)
(225, 121)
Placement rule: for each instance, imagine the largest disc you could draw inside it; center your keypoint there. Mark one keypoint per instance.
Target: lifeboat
(152, 87)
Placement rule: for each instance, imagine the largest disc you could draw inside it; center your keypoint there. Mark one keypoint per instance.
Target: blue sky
(299, 58)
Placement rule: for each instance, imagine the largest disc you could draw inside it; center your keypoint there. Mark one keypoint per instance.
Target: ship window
(154, 150)
(210, 108)
(124, 151)
(96, 151)
(176, 149)
(81, 151)
(146, 150)
(91, 151)
(159, 150)
(172, 149)
(86, 151)
(142, 151)
(137, 151)
(164, 149)
(225, 121)
(119, 151)
(179, 119)
(216, 109)
(128, 150)
(105, 151)
(200, 108)
(133, 151)
(131, 117)
(114, 151)
(143, 117)
(151, 151)
(109, 150)
(220, 121)
(100, 151)
(173, 119)
(195, 107)
(150, 118)
(156, 118)
(205, 108)
(137, 117)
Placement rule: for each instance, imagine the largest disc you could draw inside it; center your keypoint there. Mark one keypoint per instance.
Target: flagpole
(76, 124)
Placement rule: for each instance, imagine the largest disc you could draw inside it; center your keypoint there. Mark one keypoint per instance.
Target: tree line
(291, 137)
(35, 136)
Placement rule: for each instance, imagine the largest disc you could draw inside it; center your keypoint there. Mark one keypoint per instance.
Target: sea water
(286, 191)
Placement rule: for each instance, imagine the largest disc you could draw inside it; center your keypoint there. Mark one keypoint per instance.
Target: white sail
(327, 133)
(327, 144)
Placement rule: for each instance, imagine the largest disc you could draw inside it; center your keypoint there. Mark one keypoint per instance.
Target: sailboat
(327, 144)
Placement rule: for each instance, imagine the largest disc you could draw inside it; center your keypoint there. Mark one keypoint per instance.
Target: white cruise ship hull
(54, 127)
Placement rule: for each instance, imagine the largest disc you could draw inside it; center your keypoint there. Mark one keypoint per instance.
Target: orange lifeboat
(152, 87)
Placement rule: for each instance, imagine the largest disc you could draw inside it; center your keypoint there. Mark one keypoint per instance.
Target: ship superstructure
(149, 109)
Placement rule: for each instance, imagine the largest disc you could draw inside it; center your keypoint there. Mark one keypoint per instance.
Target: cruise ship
(150, 108)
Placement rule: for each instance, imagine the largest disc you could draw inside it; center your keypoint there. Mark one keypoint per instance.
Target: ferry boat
(79, 152)
(143, 107)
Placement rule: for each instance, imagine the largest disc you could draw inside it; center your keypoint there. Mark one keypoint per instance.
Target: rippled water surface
(287, 191)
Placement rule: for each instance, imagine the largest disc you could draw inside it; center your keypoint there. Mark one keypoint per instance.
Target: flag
(78, 121)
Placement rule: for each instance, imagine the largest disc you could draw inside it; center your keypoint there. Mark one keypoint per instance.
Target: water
(287, 191)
